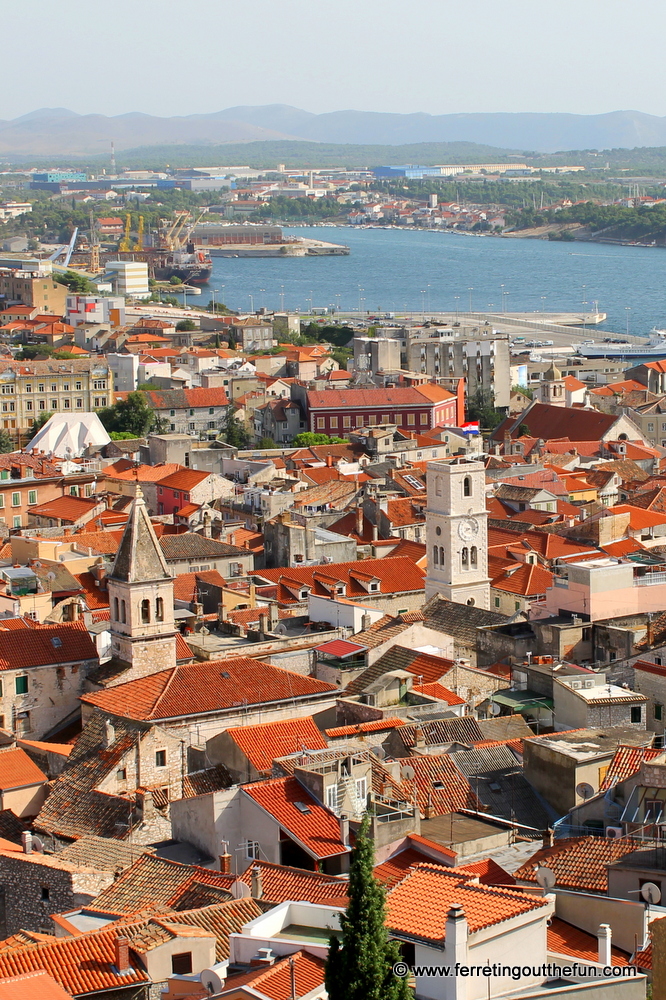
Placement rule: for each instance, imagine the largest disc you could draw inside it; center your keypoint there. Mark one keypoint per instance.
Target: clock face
(468, 529)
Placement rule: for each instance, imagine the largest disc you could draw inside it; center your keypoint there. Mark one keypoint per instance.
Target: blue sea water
(405, 271)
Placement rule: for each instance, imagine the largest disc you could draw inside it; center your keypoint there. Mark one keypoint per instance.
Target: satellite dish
(239, 890)
(495, 709)
(651, 893)
(38, 845)
(213, 979)
(585, 790)
(407, 773)
(545, 877)
(379, 752)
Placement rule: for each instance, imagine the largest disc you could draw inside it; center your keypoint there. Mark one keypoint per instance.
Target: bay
(410, 271)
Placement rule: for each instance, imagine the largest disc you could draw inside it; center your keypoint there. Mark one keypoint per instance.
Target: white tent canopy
(66, 435)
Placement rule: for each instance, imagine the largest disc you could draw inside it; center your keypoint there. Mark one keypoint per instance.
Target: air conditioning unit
(614, 832)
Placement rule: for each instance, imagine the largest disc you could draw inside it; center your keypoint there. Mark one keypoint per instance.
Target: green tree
(131, 414)
(267, 443)
(481, 407)
(234, 432)
(186, 324)
(308, 439)
(362, 967)
(6, 443)
(31, 351)
(173, 280)
(75, 282)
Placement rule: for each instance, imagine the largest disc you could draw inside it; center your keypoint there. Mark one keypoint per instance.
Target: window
(172, 413)
(28, 387)
(54, 388)
(123, 613)
(16, 499)
(636, 714)
(321, 423)
(79, 386)
(21, 683)
(361, 790)
(497, 602)
(473, 556)
(115, 609)
(32, 496)
(45, 894)
(28, 405)
(99, 384)
(359, 421)
(160, 758)
(658, 711)
(252, 849)
(346, 422)
(23, 722)
(332, 797)
(516, 606)
(16, 522)
(334, 422)
(467, 487)
(121, 774)
(465, 558)
(424, 419)
(2, 500)
(42, 404)
(145, 611)
(79, 404)
(66, 386)
(441, 556)
(40, 388)
(435, 554)
(411, 419)
(181, 964)
(159, 609)
(74, 491)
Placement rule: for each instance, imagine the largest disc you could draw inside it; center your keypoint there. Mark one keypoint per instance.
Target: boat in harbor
(653, 350)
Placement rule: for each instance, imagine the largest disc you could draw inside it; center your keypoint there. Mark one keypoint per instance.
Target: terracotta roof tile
(262, 743)
(628, 760)
(17, 770)
(220, 920)
(565, 939)
(376, 726)
(281, 883)
(394, 575)
(316, 829)
(32, 985)
(184, 479)
(579, 863)
(53, 644)
(197, 688)
(277, 982)
(419, 905)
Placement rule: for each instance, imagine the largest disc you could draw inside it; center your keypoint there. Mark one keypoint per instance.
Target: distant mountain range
(59, 132)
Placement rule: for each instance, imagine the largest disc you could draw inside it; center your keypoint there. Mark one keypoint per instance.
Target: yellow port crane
(125, 243)
(139, 235)
(169, 238)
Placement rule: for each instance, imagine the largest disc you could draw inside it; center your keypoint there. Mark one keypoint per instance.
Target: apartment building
(30, 283)
(32, 388)
(480, 356)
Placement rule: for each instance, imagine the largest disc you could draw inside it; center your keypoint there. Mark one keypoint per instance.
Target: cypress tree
(362, 967)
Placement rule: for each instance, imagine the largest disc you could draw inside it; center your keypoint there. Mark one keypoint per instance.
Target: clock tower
(457, 532)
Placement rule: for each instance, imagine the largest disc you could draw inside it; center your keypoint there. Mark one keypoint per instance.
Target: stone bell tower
(457, 532)
(143, 633)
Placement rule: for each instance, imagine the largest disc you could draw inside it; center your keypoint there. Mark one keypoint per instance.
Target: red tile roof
(579, 863)
(437, 690)
(565, 939)
(184, 479)
(394, 575)
(300, 971)
(488, 872)
(361, 398)
(548, 422)
(65, 508)
(186, 586)
(281, 883)
(316, 829)
(628, 760)
(261, 744)
(95, 596)
(32, 986)
(530, 580)
(438, 784)
(81, 965)
(419, 905)
(199, 688)
(376, 726)
(51, 644)
(18, 770)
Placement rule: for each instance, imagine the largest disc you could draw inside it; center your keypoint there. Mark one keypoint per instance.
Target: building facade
(32, 388)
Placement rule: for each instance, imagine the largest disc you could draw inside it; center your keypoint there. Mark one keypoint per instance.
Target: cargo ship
(653, 350)
(191, 266)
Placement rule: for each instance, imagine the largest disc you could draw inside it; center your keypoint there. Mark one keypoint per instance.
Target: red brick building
(336, 411)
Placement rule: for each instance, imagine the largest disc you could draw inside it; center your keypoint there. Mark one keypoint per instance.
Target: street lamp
(470, 290)
(251, 298)
(457, 298)
(423, 294)
(281, 298)
(627, 310)
(502, 287)
(543, 303)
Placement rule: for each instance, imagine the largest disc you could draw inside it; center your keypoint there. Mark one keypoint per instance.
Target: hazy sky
(438, 56)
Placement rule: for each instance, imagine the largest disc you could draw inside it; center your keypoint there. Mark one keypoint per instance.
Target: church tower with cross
(457, 532)
(143, 633)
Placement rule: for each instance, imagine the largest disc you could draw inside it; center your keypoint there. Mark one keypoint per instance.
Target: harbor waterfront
(403, 271)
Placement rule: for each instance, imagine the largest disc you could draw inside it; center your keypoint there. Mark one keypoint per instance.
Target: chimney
(548, 838)
(264, 956)
(221, 613)
(273, 616)
(257, 888)
(109, 734)
(344, 830)
(26, 840)
(366, 622)
(604, 935)
(263, 619)
(225, 863)
(207, 524)
(456, 942)
(123, 967)
(419, 737)
(144, 801)
(359, 520)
